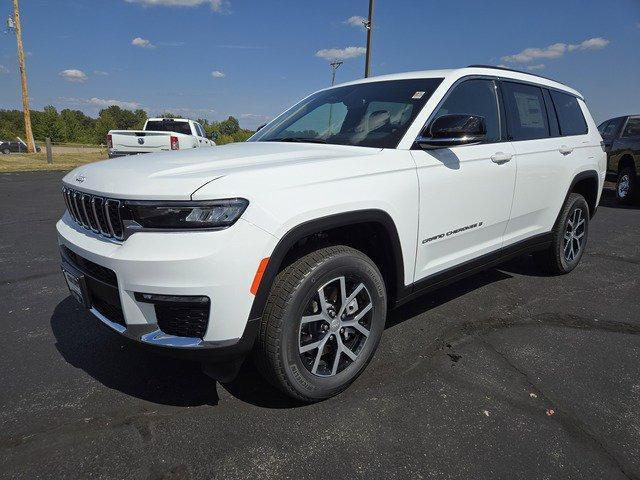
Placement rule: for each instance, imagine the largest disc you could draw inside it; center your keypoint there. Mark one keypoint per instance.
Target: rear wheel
(569, 238)
(322, 323)
(626, 186)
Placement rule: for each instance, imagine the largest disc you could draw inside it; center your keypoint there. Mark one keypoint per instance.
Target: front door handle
(564, 150)
(501, 157)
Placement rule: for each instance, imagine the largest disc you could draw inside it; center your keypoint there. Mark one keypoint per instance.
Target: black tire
(557, 259)
(6, 151)
(626, 186)
(295, 290)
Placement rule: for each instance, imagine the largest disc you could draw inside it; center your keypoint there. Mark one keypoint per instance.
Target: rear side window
(168, 125)
(632, 128)
(570, 116)
(610, 129)
(526, 113)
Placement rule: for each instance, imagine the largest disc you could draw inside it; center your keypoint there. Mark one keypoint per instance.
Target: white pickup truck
(158, 134)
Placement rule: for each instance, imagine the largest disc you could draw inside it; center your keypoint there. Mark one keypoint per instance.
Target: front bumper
(219, 265)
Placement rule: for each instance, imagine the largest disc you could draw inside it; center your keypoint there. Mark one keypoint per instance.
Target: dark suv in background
(621, 137)
(17, 146)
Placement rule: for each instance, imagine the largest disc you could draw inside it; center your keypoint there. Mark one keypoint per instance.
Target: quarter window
(633, 128)
(475, 97)
(526, 113)
(570, 116)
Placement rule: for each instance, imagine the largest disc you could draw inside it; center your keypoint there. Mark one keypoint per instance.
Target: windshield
(375, 114)
(168, 126)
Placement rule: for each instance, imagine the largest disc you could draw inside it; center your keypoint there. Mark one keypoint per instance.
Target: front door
(465, 191)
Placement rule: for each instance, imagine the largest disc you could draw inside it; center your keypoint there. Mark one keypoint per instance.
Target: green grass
(23, 162)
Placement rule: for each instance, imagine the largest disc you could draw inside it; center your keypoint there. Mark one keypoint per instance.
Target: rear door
(465, 191)
(534, 132)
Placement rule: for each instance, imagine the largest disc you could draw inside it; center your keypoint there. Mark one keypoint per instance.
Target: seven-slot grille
(99, 214)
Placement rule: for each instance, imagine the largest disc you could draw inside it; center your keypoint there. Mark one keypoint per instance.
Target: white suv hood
(177, 175)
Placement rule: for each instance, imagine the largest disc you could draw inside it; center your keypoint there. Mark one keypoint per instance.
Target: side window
(633, 128)
(602, 128)
(554, 127)
(475, 97)
(570, 116)
(526, 113)
(609, 130)
(200, 130)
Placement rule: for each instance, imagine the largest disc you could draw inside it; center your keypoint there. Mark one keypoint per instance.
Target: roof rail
(514, 70)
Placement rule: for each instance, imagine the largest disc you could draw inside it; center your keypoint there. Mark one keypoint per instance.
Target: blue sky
(162, 55)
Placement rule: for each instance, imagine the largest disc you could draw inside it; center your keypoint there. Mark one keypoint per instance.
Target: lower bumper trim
(116, 326)
(158, 337)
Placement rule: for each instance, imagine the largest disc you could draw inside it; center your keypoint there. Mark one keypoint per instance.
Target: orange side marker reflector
(258, 278)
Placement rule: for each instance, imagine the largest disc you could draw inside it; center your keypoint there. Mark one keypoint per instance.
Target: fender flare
(577, 178)
(316, 226)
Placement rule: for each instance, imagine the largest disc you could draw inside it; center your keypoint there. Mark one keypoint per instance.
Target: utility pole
(368, 24)
(31, 148)
(334, 66)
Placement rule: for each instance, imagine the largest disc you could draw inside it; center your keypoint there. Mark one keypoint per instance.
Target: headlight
(187, 215)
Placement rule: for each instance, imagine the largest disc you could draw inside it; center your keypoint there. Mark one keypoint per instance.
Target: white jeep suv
(293, 245)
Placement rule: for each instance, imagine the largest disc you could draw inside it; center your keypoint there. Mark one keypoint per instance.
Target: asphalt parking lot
(507, 374)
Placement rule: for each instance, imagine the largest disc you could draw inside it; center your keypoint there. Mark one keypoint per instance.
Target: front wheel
(6, 151)
(569, 238)
(322, 323)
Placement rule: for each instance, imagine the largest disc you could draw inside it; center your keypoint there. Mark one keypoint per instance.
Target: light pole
(23, 79)
(368, 24)
(334, 66)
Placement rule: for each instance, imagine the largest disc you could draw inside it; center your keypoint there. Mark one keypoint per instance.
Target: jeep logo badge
(80, 178)
(141, 141)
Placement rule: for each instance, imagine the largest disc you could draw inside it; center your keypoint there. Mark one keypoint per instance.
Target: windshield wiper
(297, 139)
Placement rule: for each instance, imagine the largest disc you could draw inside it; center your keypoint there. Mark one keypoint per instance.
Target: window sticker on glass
(529, 110)
(417, 95)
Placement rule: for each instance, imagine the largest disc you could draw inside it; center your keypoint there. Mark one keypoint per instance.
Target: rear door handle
(501, 157)
(564, 150)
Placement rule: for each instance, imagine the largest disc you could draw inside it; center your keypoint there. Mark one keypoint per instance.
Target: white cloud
(216, 5)
(218, 74)
(539, 66)
(100, 73)
(355, 21)
(556, 50)
(73, 75)
(3, 69)
(142, 43)
(101, 102)
(341, 53)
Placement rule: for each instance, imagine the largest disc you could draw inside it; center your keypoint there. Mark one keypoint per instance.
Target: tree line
(74, 126)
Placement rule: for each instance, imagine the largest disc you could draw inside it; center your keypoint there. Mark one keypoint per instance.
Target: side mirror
(213, 136)
(453, 130)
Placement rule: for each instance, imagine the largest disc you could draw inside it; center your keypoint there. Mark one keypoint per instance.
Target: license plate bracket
(77, 286)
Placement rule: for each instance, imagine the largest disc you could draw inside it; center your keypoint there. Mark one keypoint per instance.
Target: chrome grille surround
(98, 214)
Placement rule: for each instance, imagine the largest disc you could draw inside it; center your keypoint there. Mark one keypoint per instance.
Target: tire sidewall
(301, 378)
(578, 202)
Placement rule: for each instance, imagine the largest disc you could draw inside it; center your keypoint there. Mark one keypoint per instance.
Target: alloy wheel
(335, 326)
(573, 241)
(623, 186)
